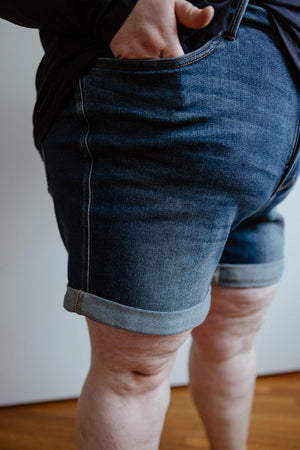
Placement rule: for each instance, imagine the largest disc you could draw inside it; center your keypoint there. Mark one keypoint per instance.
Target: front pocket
(161, 63)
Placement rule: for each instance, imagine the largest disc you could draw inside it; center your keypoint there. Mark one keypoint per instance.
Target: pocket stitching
(163, 64)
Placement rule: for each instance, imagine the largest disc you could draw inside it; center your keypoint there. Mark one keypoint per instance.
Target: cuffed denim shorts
(166, 174)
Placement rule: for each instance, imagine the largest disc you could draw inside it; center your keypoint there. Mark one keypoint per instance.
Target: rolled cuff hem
(160, 323)
(248, 275)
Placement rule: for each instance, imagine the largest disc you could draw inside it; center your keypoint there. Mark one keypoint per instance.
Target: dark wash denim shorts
(166, 174)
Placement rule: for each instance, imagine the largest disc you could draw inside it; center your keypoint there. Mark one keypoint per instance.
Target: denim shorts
(166, 173)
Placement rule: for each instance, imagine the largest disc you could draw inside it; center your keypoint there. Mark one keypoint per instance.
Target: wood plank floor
(275, 421)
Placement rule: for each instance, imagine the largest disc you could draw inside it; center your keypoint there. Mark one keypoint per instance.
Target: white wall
(39, 355)
(44, 351)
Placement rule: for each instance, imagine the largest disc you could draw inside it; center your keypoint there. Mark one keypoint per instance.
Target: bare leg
(222, 363)
(126, 394)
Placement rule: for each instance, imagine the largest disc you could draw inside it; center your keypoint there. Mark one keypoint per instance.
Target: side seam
(87, 193)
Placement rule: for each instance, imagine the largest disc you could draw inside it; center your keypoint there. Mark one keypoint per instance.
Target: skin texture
(223, 363)
(150, 31)
(126, 394)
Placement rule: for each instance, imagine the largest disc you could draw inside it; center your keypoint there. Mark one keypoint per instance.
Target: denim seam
(180, 58)
(281, 188)
(164, 62)
(78, 302)
(87, 195)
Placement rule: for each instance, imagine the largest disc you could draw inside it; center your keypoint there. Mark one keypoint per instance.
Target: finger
(192, 17)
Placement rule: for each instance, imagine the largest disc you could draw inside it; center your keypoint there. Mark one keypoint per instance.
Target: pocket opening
(161, 63)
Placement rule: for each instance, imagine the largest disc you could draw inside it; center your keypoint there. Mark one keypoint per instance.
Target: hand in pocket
(150, 31)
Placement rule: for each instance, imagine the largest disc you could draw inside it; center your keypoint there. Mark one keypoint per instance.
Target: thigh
(235, 317)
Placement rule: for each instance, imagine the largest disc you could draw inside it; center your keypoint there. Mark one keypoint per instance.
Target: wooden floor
(275, 421)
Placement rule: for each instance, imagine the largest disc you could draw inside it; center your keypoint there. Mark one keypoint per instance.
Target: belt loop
(236, 20)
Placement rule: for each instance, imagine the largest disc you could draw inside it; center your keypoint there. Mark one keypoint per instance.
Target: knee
(140, 380)
(235, 317)
(130, 363)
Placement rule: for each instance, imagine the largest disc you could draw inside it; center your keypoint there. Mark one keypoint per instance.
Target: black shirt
(75, 32)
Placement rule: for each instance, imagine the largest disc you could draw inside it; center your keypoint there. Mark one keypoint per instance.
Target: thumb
(192, 17)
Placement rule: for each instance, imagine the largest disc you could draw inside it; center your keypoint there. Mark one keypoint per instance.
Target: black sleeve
(96, 17)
